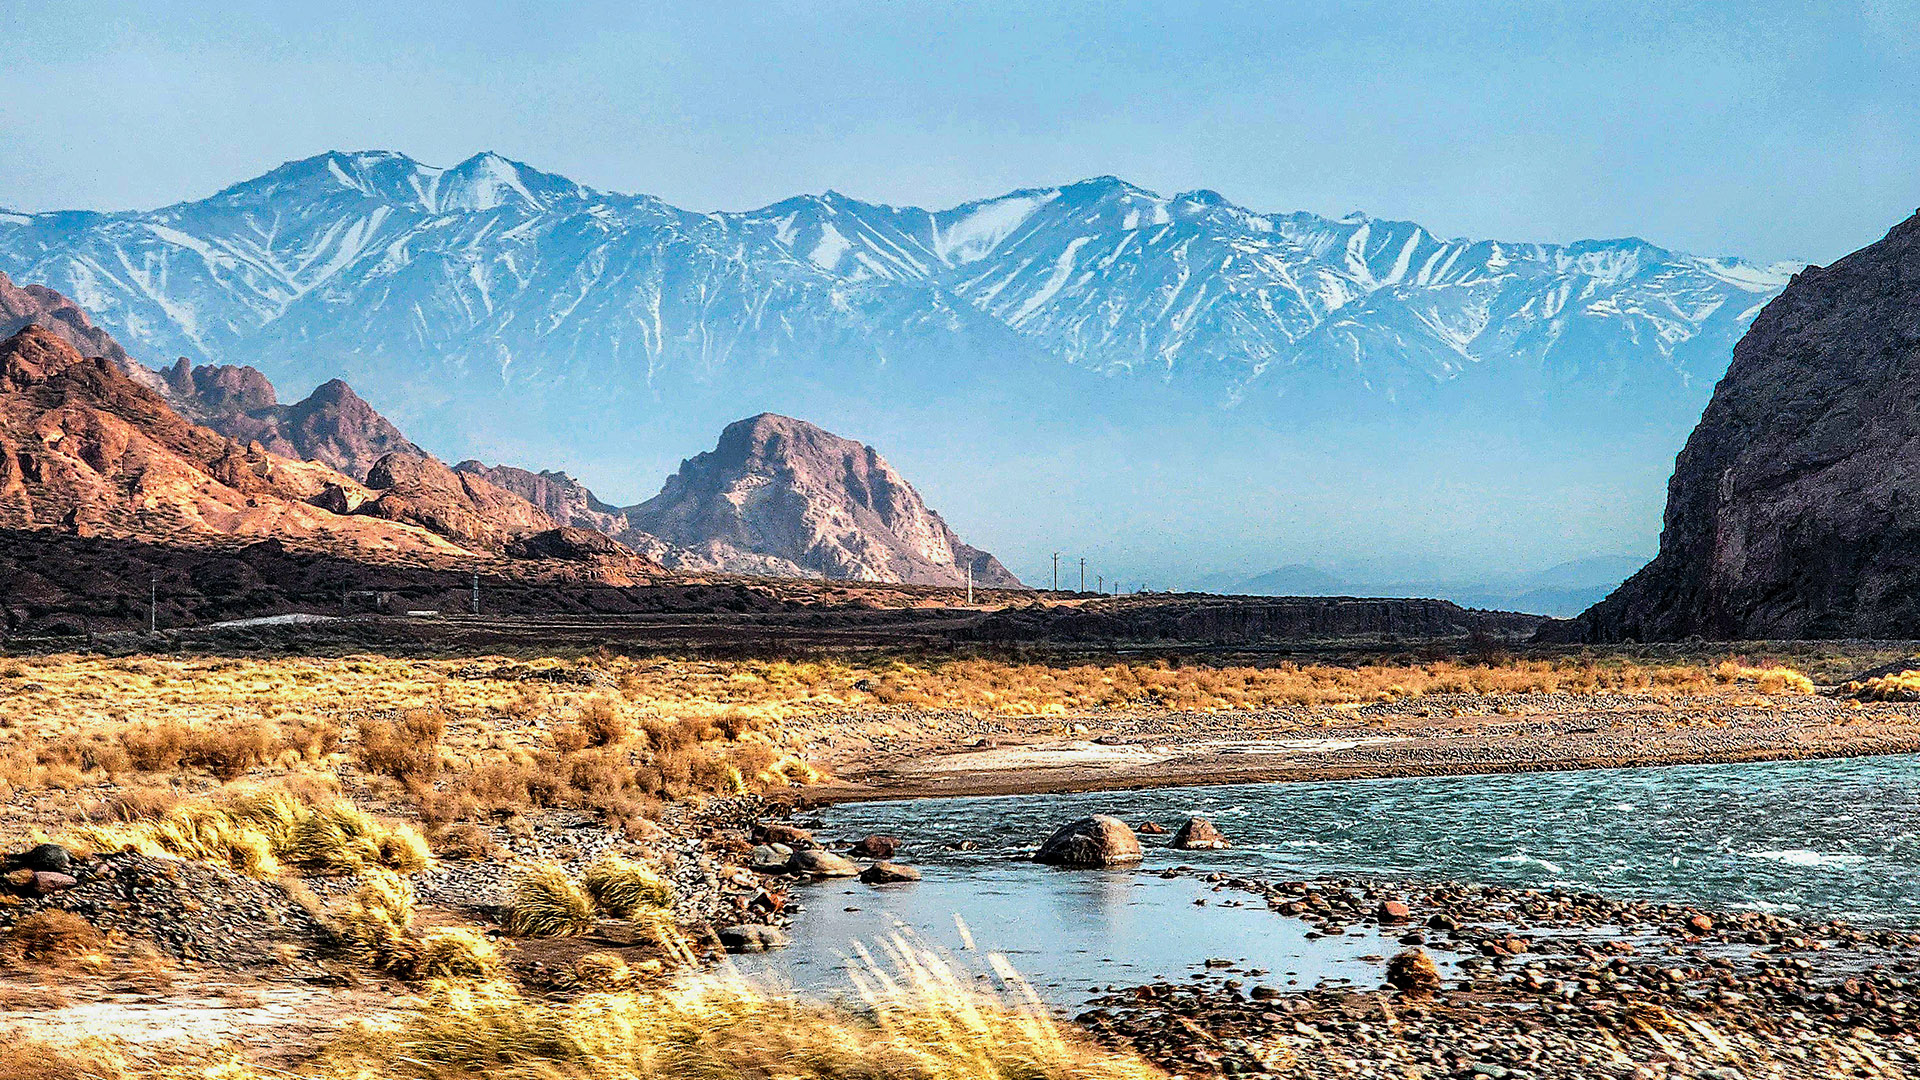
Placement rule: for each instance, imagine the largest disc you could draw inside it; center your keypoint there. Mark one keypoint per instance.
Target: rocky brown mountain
(332, 425)
(559, 496)
(36, 305)
(1794, 510)
(780, 496)
(419, 489)
(86, 449)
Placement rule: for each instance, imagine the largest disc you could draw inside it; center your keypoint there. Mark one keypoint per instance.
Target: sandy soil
(946, 755)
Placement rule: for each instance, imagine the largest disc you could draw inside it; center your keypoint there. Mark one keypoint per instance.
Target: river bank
(936, 754)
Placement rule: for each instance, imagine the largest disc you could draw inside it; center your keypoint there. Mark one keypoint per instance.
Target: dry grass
(623, 888)
(51, 937)
(548, 903)
(921, 1022)
(262, 834)
(376, 930)
(32, 1059)
(1902, 686)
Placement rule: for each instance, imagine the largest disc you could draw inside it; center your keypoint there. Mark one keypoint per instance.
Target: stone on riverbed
(876, 847)
(1198, 834)
(792, 836)
(752, 937)
(887, 873)
(772, 859)
(822, 863)
(1413, 972)
(1100, 840)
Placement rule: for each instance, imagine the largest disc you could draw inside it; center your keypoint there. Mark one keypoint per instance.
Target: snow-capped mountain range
(498, 275)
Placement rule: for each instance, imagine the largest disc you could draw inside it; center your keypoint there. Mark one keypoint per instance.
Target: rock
(821, 863)
(771, 859)
(1793, 509)
(46, 883)
(1701, 924)
(1413, 972)
(1198, 834)
(1393, 911)
(1100, 840)
(887, 873)
(51, 857)
(753, 938)
(792, 836)
(876, 847)
(1151, 828)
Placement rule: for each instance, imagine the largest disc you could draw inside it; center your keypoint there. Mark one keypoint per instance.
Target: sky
(1771, 131)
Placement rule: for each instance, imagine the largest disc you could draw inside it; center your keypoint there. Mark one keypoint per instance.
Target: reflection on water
(1830, 837)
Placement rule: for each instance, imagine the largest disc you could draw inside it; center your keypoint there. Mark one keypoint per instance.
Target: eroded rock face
(1095, 841)
(422, 491)
(780, 496)
(1794, 510)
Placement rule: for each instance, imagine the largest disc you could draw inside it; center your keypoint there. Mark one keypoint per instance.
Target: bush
(256, 833)
(52, 936)
(623, 888)
(547, 903)
(602, 971)
(407, 749)
(601, 722)
(456, 954)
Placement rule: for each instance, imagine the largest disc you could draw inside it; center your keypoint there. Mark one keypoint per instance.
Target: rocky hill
(1794, 510)
(85, 450)
(780, 496)
(332, 425)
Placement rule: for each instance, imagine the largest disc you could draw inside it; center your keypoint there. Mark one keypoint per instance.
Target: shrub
(466, 841)
(602, 971)
(257, 832)
(602, 723)
(622, 888)
(456, 954)
(547, 903)
(407, 749)
(52, 936)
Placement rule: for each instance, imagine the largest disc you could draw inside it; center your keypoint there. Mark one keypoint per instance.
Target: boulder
(887, 873)
(753, 938)
(771, 859)
(876, 847)
(1100, 840)
(792, 836)
(1393, 911)
(46, 883)
(1413, 972)
(1198, 834)
(822, 863)
(1152, 828)
(50, 857)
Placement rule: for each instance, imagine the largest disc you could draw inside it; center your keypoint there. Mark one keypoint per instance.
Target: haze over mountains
(1170, 384)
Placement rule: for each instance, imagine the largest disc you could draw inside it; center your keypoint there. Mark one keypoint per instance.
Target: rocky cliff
(1794, 510)
(781, 496)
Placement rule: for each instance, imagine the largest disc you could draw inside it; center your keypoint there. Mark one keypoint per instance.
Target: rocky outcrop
(332, 425)
(1794, 510)
(22, 306)
(566, 500)
(420, 490)
(1094, 841)
(86, 449)
(782, 497)
(1198, 834)
(568, 543)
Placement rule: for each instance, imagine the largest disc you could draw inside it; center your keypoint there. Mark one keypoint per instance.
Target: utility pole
(1056, 571)
(1083, 574)
(969, 582)
(476, 590)
(1099, 583)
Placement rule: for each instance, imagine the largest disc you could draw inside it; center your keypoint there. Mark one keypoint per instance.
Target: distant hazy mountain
(1032, 359)
(1564, 590)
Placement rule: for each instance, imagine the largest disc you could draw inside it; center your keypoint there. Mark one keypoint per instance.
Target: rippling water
(1837, 838)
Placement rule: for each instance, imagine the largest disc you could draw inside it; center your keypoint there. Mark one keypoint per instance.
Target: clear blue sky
(1767, 130)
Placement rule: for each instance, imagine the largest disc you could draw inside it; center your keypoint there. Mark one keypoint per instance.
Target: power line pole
(1083, 574)
(1056, 571)
(969, 582)
(1099, 583)
(476, 590)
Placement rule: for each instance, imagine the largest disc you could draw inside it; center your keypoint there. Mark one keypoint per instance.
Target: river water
(1828, 838)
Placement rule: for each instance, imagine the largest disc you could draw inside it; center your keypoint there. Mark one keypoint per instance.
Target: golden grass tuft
(624, 888)
(547, 903)
(1769, 679)
(456, 954)
(1901, 686)
(601, 971)
(921, 1021)
(260, 833)
(52, 937)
